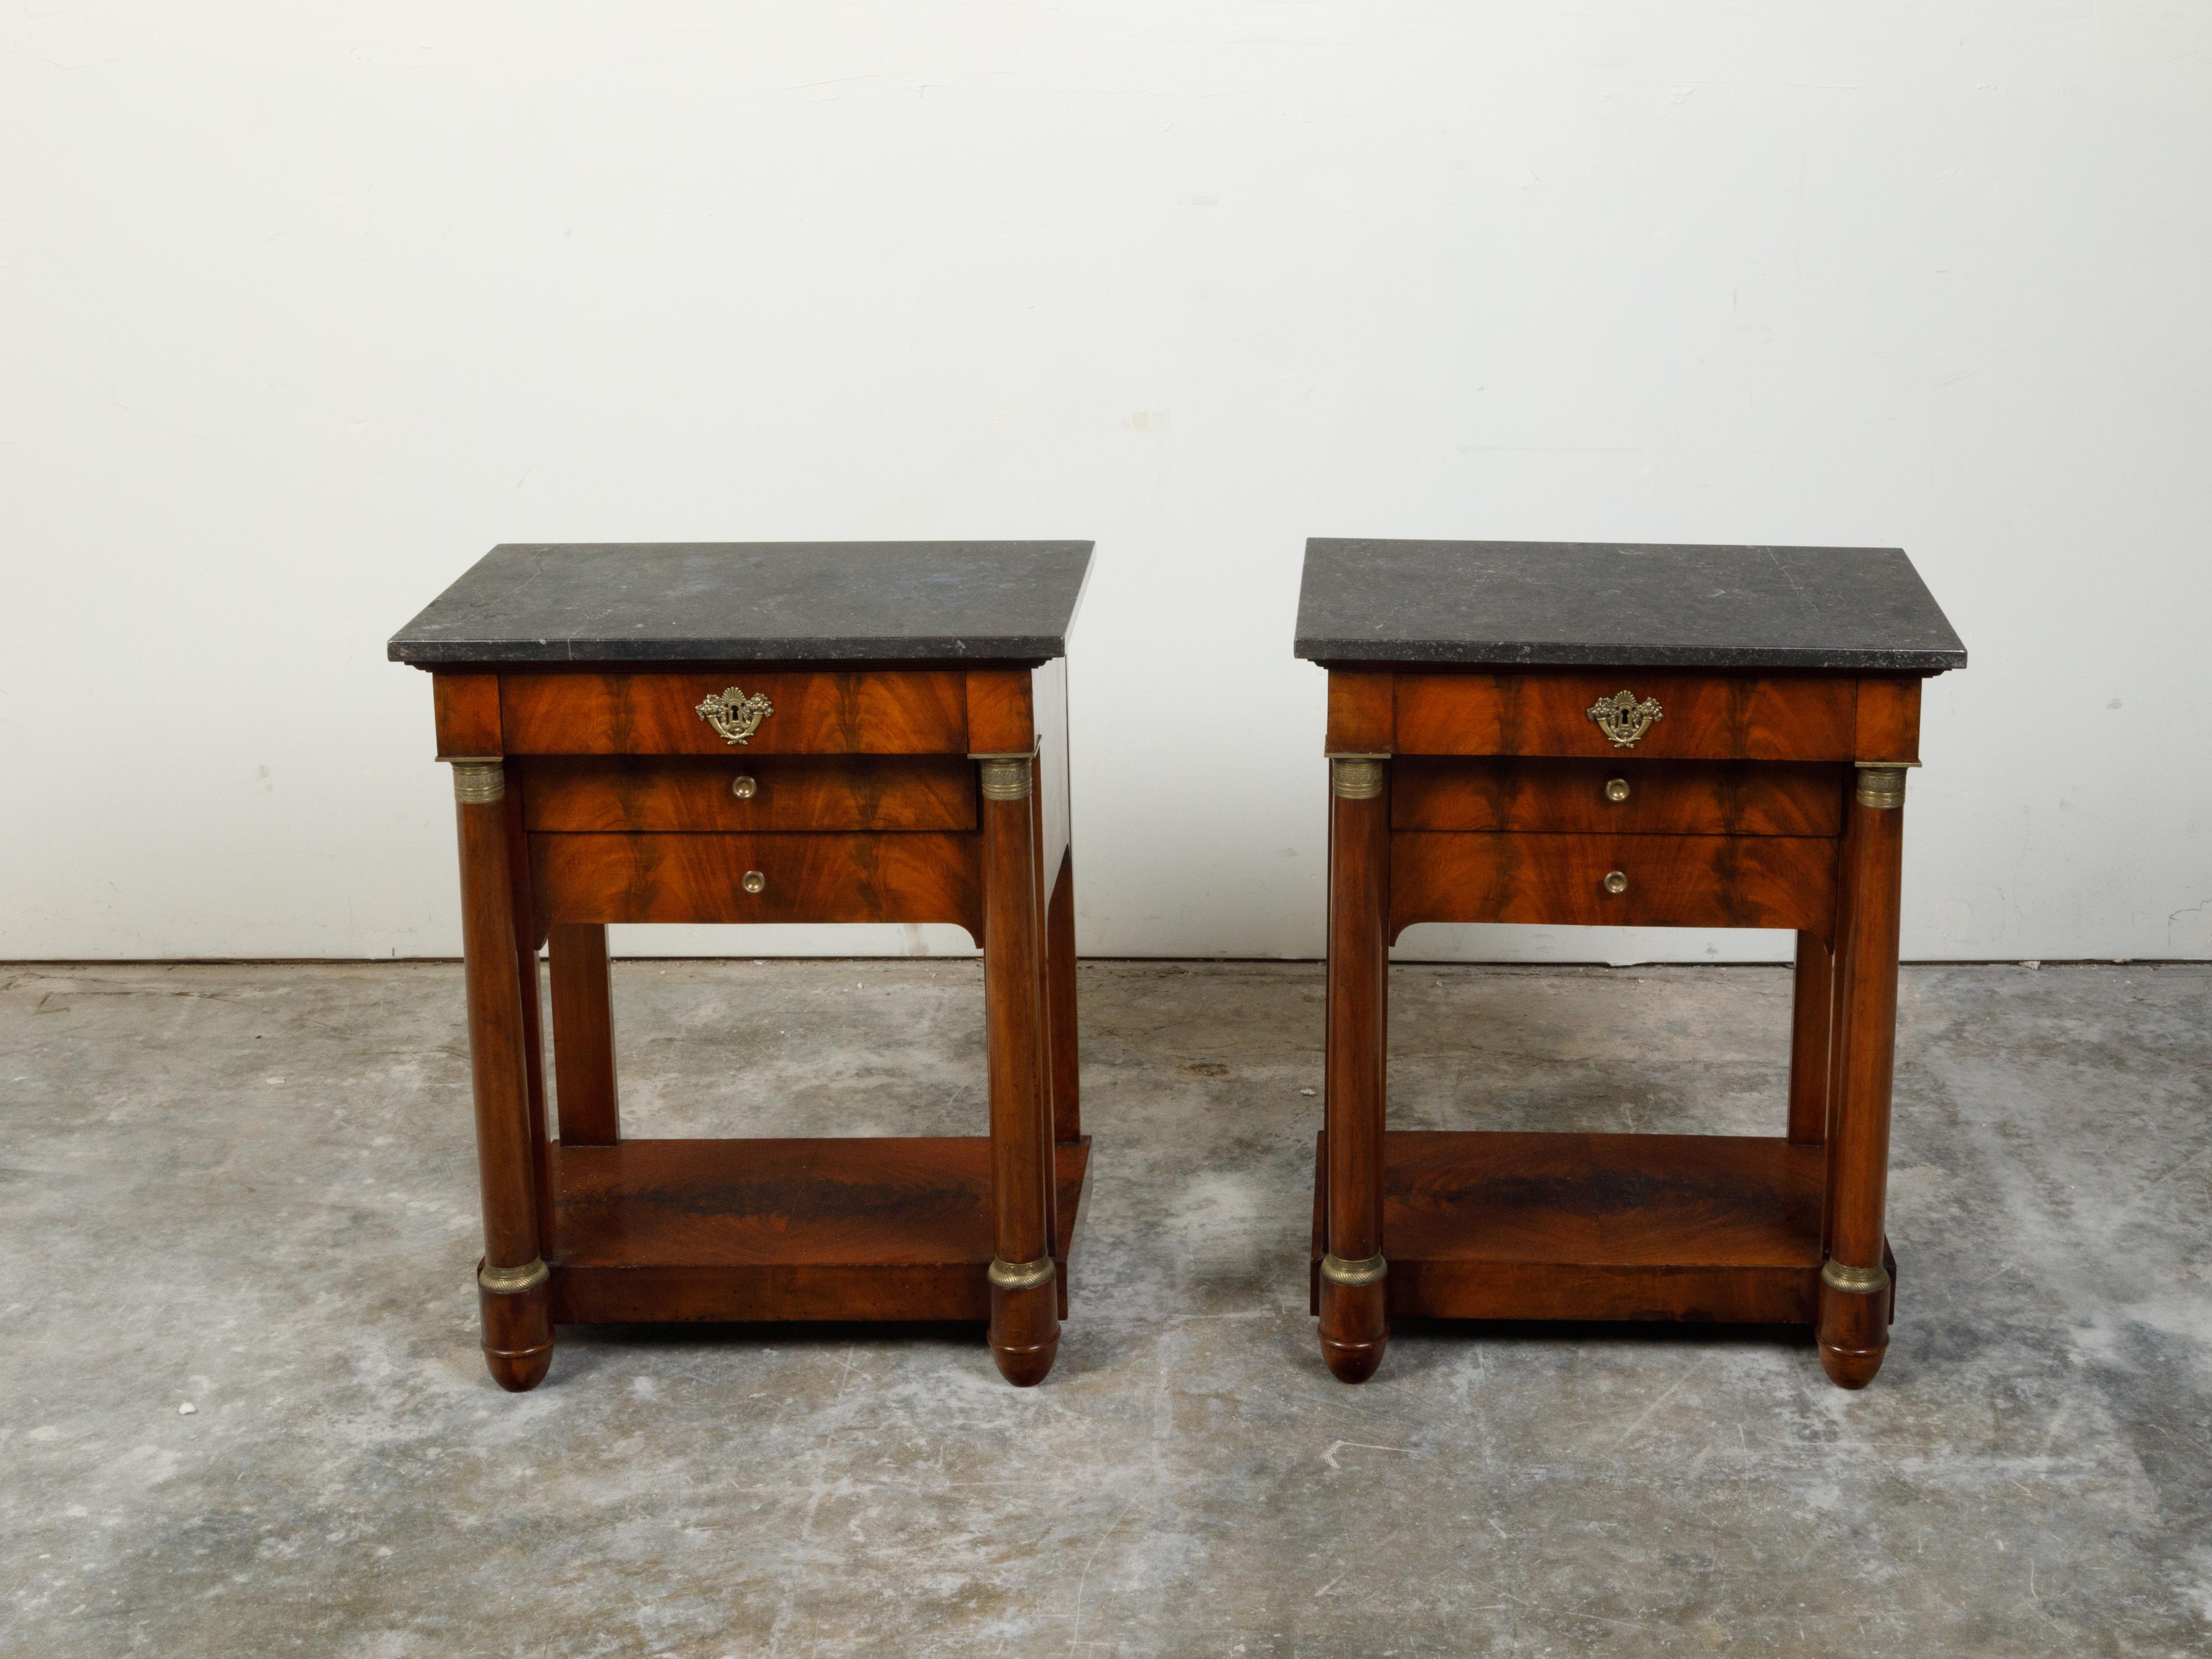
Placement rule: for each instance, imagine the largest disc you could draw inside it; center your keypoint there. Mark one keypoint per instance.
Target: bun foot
(1355, 1326)
(1854, 1328)
(1024, 1320)
(519, 1373)
(1852, 1368)
(518, 1325)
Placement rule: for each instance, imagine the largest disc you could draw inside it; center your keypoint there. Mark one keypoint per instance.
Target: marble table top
(1606, 604)
(527, 602)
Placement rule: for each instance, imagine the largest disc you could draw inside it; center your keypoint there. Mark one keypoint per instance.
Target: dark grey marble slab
(1606, 604)
(755, 602)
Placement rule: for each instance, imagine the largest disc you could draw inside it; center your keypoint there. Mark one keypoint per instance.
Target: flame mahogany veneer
(1581, 735)
(883, 738)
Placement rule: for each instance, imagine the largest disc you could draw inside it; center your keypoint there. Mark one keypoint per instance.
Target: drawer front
(620, 793)
(1690, 716)
(922, 712)
(1684, 797)
(801, 878)
(1666, 881)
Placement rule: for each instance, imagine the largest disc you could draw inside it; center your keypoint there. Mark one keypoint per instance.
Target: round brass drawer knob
(754, 882)
(1615, 882)
(743, 787)
(1616, 790)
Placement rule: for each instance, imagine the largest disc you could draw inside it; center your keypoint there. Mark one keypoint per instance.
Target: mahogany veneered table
(761, 732)
(1565, 733)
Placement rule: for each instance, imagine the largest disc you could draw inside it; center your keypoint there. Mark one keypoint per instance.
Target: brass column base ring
(1021, 1275)
(1352, 1274)
(1854, 1281)
(509, 1282)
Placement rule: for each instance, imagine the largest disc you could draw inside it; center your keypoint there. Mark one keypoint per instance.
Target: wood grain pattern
(1354, 1331)
(517, 1342)
(1854, 1332)
(862, 1228)
(1050, 693)
(1509, 1225)
(583, 1035)
(1024, 1333)
(921, 712)
(1683, 798)
(999, 712)
(1674, 881)
(466, 708)
(1059, 990)
(699, 878)
(1812, 993)
(614, 794)
(1889, 720)
(1705, 717)
(1359, 712)
(528, 936)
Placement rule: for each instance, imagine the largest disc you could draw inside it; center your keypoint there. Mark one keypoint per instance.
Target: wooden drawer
(623, 792)
(1673, 881)
(1683, 798)
(877, 713)
(1701, 716)
(914, 878)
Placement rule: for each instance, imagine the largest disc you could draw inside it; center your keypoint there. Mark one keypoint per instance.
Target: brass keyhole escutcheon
(754, 882)
(1623, 719)
(733, 715)
(1616, 790)
(1615, 881)
(743, 787)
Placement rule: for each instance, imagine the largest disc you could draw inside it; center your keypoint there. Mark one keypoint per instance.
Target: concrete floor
(253, 1188)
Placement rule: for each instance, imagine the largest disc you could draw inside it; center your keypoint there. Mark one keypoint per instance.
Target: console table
(1694, 737)
(761, 732)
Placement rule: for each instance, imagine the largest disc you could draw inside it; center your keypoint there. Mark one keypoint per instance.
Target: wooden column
(1059, 980)
(1813, 994)
(1854, 1287)
(583, 1036)
(1354, 1321)
(1025, 1332)
(512, 1287)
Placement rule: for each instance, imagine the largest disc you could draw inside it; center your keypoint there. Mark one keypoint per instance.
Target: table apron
(924, 711)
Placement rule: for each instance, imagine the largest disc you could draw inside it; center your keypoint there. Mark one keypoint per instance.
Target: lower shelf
(1496, 1225)
(859, 1228)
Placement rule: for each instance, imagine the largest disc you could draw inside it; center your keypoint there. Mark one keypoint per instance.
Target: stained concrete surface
(252, 1189)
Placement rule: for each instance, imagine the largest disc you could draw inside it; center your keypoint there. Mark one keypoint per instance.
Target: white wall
(306, 305)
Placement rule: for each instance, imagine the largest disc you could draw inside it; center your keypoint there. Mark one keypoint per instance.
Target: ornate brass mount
(734, 715)
(1623, 719)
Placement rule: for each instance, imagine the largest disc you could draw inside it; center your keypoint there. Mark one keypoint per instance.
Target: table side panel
(1050, 693)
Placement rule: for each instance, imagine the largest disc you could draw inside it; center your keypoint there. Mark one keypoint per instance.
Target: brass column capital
(1881, 783)
(478, 780)
(1356, 777)
(1005, 777)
